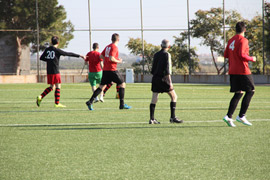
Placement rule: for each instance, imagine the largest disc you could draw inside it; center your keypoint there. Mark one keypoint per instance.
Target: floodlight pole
(224, 35)
(263, 9)
(38, 65)
(90, 28)
(189, 59)
(142, 35)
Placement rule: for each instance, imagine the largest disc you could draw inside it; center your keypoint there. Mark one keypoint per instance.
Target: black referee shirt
(161, 64)
(52, 56)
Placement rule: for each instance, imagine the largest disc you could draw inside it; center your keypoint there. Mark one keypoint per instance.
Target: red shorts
(53, 78)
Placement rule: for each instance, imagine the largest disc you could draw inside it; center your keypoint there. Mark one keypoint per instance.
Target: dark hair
(115, 37)
(95, 46)
(55, 40)
(240, 27)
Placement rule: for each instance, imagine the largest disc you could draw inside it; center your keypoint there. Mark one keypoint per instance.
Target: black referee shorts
(160, 85)
(241, 83)
(111, 76)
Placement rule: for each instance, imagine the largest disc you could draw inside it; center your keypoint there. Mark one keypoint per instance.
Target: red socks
(46, 91)
(57, 95)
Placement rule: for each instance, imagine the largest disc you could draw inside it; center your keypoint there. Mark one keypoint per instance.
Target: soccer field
(108, 143)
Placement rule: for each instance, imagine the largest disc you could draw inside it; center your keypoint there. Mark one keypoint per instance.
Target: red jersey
(94, 60)
(110, 50)
(237, 51)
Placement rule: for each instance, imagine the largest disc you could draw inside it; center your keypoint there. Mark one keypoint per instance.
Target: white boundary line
(114, 123)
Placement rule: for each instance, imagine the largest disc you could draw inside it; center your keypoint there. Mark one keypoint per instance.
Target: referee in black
(162, 82)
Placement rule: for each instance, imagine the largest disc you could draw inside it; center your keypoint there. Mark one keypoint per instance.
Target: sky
(125, 14)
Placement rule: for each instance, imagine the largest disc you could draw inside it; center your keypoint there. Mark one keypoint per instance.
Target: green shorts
(95, 78)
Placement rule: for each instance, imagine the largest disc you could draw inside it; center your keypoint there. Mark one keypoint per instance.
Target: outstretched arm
(64, 53)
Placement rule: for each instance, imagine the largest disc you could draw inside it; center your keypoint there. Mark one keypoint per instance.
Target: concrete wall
(8, 52)
(7, 56)
(206, 79)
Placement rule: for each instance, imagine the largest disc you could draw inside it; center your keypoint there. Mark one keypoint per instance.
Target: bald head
(165, 43)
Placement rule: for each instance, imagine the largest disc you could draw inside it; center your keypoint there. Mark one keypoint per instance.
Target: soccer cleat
(243, 120)
(117, 96)
(89, 105)
(101, 99)
(39, 99)
(229, 121)
(153, 121)
(125, 107)
(176, 120)
(59, 105)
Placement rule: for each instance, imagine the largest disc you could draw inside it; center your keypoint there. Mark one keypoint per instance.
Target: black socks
(245, 103)
(233, 104)
(121, 97)
(95, 94)
(244, 106)
(152, 111)
(173, 106)
(153, 106)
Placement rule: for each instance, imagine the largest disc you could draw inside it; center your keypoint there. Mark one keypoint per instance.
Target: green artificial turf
(108, 143)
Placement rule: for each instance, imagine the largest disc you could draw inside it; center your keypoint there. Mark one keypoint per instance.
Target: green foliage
(207, 26)
(255, 38)
(21, 14)
(267, 33)
(178, 51)
(135, 47)
(180, 55)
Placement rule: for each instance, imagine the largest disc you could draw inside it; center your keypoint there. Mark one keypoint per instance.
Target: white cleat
(229, 121)
(243, 120)
(96, 100)
(101, 99)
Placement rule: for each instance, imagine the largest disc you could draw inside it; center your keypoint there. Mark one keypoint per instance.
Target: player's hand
(254, 58)
(84, 57)
(120, 60)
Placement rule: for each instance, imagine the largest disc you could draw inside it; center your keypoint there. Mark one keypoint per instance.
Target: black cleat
(153, 121)
(176, 120)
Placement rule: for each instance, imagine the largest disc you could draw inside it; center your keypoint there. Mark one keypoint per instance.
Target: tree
(21, 14)
(180, 54)
(267, 34)
(255, 38)
(135, 47)
(207, 26)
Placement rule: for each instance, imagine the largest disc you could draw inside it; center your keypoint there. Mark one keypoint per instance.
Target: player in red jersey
(95, 69)
(110, 74)
(95, 64)
(237, 51)
(51, 55)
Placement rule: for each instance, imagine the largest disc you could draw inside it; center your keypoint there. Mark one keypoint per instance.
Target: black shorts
(111, 76)
(160, 85)
(241, 83)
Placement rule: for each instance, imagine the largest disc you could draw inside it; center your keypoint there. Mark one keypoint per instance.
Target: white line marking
(128, 100)
(116, 123)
